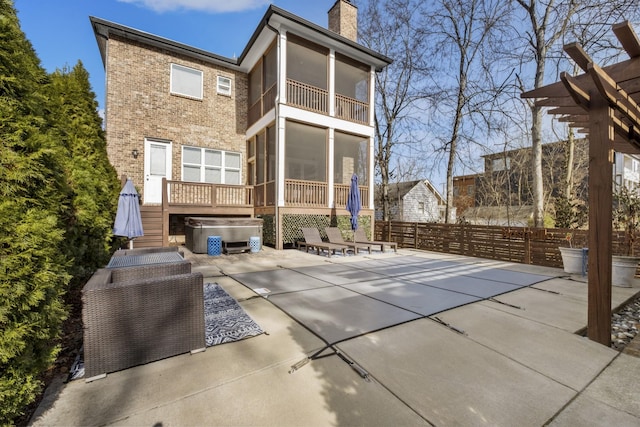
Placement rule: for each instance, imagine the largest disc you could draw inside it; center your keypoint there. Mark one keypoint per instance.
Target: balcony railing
(307, 97)
(352, 109)
(255, 112)
(269, 98)
(297, 193)
(265, 194)
(263, 104)
(305, 193)
(341, 194)
(182, 193)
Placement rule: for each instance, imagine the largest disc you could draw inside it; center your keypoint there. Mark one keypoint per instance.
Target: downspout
(276, 218)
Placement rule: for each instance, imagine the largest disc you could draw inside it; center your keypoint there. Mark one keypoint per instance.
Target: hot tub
(232, 230)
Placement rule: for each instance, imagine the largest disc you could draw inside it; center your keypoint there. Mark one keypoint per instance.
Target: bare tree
(389, 27)
(466, 33)
(550, 22)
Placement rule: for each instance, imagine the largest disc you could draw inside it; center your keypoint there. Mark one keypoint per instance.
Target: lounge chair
(313, 240)
(335, 236)
(361, 237)
(136, 315)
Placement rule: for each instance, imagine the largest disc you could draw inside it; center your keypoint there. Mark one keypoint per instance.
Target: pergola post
(601, 135)
(605, 104)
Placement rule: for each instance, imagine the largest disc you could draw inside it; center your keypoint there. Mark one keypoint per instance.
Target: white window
(186, 81)
(224, 86)
(212, 166)
(501, 164)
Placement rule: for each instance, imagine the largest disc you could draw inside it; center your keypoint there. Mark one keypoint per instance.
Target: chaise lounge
(335, 236)
(312, 240)
(361, 237)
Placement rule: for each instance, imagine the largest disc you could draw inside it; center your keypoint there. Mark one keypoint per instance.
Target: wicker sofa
(136, 315)
(141, 251)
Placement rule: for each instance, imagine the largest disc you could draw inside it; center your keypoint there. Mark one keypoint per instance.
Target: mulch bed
(70, 345)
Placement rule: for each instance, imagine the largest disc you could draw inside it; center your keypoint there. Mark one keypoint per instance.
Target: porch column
(371, 174)
(282, 67)
(372, 95)
(332, 84)
(280, 140)
(601, 135)
(330, 181)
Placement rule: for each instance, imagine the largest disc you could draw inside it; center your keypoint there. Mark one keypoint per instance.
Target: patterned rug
(224, 319)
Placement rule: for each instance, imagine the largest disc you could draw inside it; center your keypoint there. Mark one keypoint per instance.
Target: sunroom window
(211, 166)
(307, 63)
(352, 79)
(351, 155)
(305, 152)
(186, 81)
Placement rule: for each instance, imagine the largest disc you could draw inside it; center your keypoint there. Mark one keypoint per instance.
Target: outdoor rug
(224, 320)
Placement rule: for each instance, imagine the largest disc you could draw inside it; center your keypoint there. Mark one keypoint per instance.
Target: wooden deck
(201, 199)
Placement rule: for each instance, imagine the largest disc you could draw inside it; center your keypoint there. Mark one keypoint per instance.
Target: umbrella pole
(130, 243)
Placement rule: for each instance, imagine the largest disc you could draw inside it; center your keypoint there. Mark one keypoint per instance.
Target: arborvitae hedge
(93, 182)
(58, 196)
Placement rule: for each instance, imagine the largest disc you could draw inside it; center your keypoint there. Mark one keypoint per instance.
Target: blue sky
(61, 33)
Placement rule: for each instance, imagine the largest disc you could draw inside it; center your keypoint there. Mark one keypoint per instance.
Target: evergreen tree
(93, 181)
(33, 192)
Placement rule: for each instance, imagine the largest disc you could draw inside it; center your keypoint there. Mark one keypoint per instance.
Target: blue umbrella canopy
(353, 201)
(128, 222)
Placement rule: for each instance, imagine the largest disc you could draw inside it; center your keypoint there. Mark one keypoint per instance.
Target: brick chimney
(343, 19)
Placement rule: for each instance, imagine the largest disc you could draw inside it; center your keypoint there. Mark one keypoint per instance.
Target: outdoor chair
(335, 236)
(361, 237)
(313, 240)
(136, 315)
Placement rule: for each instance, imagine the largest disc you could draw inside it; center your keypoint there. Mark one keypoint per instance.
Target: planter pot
(623, 270)
(574, 260)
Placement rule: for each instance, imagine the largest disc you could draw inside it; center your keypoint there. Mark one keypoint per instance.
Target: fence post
(415, 235)
(527, 246)
(388, 230)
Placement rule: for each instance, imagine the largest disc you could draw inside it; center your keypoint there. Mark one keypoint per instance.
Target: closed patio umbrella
(128, 222)
(353, 201)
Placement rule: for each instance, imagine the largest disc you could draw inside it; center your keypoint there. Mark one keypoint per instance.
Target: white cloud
(200, 5)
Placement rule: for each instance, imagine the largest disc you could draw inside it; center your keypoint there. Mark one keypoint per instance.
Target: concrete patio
(518, 363)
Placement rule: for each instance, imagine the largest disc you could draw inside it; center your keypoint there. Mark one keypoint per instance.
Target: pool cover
(340, 301)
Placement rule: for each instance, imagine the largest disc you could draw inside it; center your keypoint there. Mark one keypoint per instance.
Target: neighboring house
(464, 193)
(413, 201)
(482, 198)
(507, 180)
(626, 170)
(276, 133)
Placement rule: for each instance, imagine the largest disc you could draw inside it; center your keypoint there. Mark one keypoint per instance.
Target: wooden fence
(537, 246)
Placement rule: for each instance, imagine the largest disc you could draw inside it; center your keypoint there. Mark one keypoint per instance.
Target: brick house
(464, 192)
(276, 133)
(413, 201)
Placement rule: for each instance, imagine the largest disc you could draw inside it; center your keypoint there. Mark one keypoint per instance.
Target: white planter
(573, 259)
(623, 270)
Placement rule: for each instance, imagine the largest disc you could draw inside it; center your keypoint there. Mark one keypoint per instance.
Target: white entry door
(157, 165)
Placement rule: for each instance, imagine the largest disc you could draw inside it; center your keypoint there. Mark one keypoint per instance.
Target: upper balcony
(309, 70)
(314, 99)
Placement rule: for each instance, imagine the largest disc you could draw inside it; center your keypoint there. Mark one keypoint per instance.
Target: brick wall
(139, 105)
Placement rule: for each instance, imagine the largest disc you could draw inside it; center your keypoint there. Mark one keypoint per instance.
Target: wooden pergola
(603, 102)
